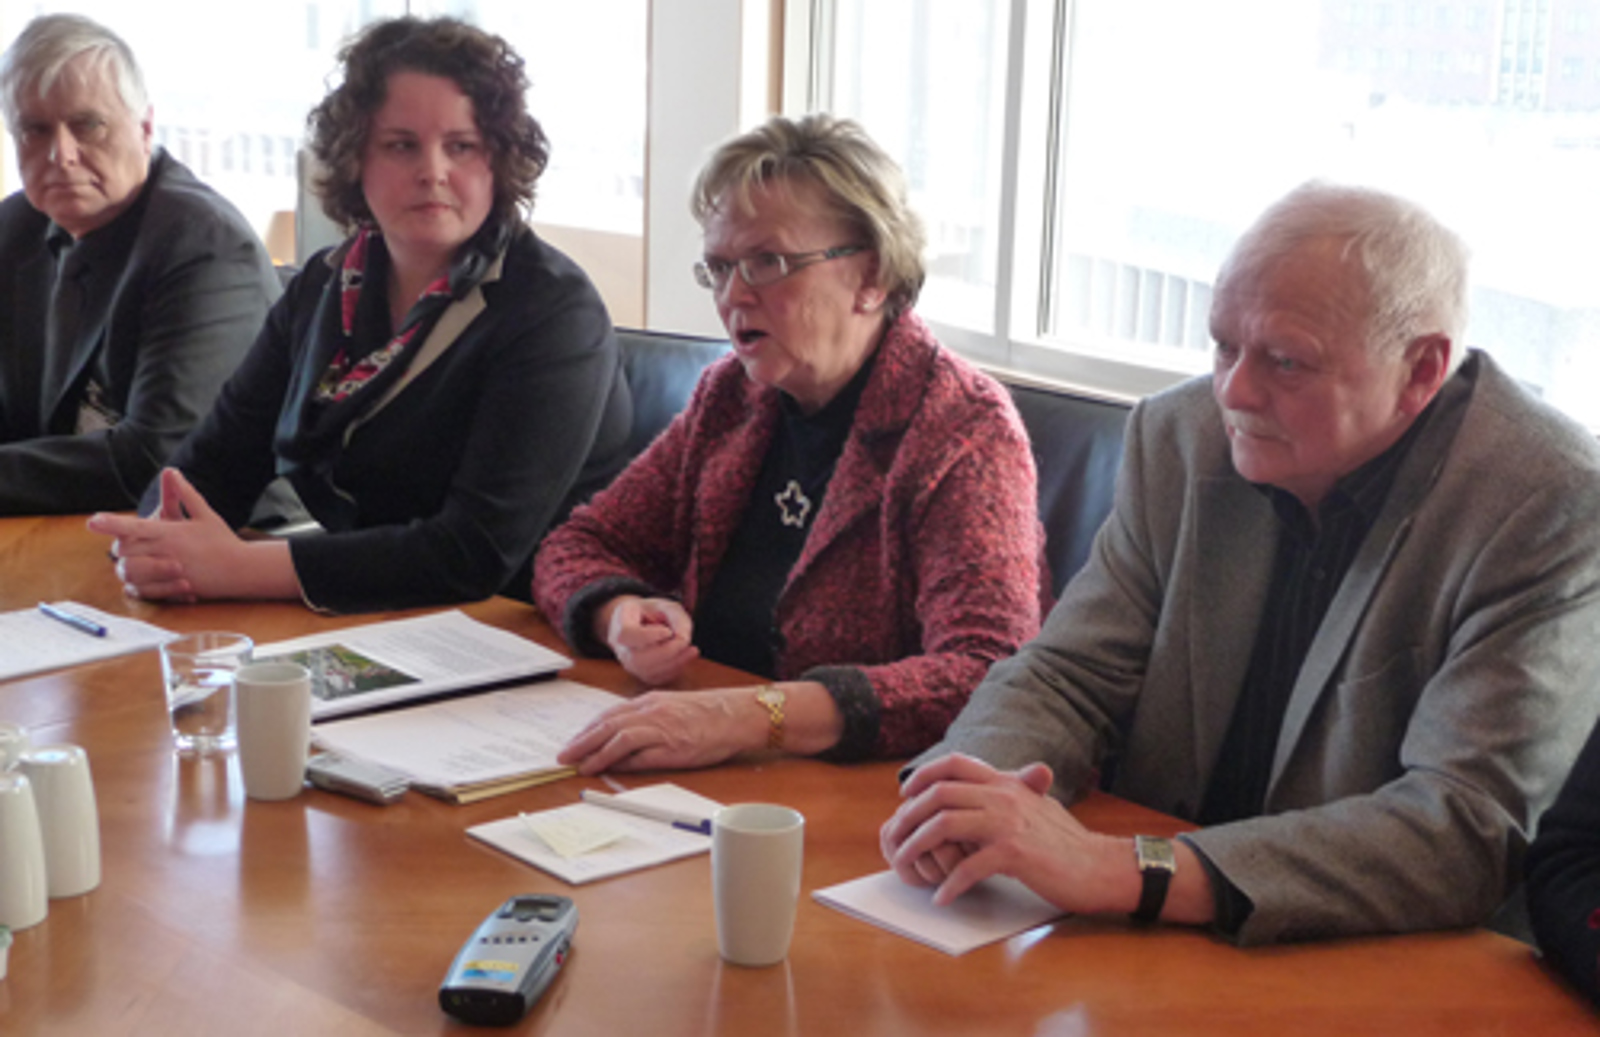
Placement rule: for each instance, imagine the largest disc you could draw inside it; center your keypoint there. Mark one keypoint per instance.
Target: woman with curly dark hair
(439, 389)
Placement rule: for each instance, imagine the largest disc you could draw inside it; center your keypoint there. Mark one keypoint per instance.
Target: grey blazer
(1441, 703)
(171, 294)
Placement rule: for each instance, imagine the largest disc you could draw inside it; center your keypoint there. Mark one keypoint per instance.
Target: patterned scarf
(313, 424)
(348, 375)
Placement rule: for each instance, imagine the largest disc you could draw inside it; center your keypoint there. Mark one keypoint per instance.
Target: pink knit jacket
(924, 566)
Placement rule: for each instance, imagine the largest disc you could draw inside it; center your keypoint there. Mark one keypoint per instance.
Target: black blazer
(445, 490)
(171, 293)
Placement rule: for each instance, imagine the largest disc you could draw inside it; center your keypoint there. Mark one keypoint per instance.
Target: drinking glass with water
(199, 671)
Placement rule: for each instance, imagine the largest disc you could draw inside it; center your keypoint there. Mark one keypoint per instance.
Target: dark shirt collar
(57, 240)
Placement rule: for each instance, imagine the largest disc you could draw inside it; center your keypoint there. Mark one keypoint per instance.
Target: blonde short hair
(860, 182)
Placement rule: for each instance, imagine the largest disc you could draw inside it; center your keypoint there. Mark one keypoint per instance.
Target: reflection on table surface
(323, 914)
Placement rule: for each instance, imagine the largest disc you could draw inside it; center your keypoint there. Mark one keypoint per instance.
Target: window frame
(1038, 60)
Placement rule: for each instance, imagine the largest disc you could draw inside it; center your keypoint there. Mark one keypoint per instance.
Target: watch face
(1155, 853)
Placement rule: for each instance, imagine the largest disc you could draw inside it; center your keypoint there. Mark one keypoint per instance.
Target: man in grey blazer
(1344, 617)
(128, 290)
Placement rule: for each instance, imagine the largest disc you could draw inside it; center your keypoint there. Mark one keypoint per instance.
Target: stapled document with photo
(362, 668)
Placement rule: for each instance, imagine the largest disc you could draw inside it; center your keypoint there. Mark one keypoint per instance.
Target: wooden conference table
(324, 915)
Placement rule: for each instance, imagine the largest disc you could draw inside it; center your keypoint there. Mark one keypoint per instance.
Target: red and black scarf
(326, 396)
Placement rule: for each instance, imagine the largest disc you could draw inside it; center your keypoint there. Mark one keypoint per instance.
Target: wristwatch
(1157, 865)
(770, 696)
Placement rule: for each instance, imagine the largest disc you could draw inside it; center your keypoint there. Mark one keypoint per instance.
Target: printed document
(494, 738)
(380, 664)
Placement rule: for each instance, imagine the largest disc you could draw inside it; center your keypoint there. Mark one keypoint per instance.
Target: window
(586, 63)
(231, 84)
(1151, 132)
(927, 79)
(227, 82)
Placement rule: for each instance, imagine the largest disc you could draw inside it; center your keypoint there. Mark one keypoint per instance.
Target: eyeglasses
(765, 268)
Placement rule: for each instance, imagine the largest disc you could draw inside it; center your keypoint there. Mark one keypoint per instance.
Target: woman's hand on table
(651, 637)
(185, 551)
(963, 821)
(665, 730)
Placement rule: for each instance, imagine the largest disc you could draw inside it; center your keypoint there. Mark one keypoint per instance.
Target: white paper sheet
(645, 844)
(995, 909)
(474, 738)
(32, 642)
(380, 664)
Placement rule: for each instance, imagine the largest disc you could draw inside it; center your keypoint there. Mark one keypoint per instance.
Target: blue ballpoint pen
(72, 619)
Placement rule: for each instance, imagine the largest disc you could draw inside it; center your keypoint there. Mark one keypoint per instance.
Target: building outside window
(1167, 126)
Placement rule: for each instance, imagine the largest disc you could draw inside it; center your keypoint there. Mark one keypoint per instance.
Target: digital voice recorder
(509, 961)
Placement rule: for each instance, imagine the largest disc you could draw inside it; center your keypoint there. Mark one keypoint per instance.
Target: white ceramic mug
(63, 790)
(13, 742)
(24, 883)
(274, 717)
(757, 850)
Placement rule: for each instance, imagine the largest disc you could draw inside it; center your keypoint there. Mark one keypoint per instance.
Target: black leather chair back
(1077, 447)
(1077, 441)
(662, 372)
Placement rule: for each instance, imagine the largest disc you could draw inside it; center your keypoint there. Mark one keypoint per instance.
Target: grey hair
(861, 183)
(1415, 266)
(49, 43)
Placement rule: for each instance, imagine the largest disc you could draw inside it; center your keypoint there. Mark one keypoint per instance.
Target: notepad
(642, 842)
(31, 642)
(993, 910)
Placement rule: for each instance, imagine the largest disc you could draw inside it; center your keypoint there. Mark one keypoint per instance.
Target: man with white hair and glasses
(1341, 619)
(128, 289)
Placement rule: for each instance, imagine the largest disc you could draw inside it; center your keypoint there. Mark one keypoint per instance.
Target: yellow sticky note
(571, 834)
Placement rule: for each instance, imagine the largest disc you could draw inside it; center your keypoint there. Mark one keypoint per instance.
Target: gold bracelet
(773, 698)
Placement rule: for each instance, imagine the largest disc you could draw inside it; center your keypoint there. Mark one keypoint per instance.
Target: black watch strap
(1157, 865)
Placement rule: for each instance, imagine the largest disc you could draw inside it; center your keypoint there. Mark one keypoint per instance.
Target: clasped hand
(651, 637)
(963, 821)
(182, 552)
